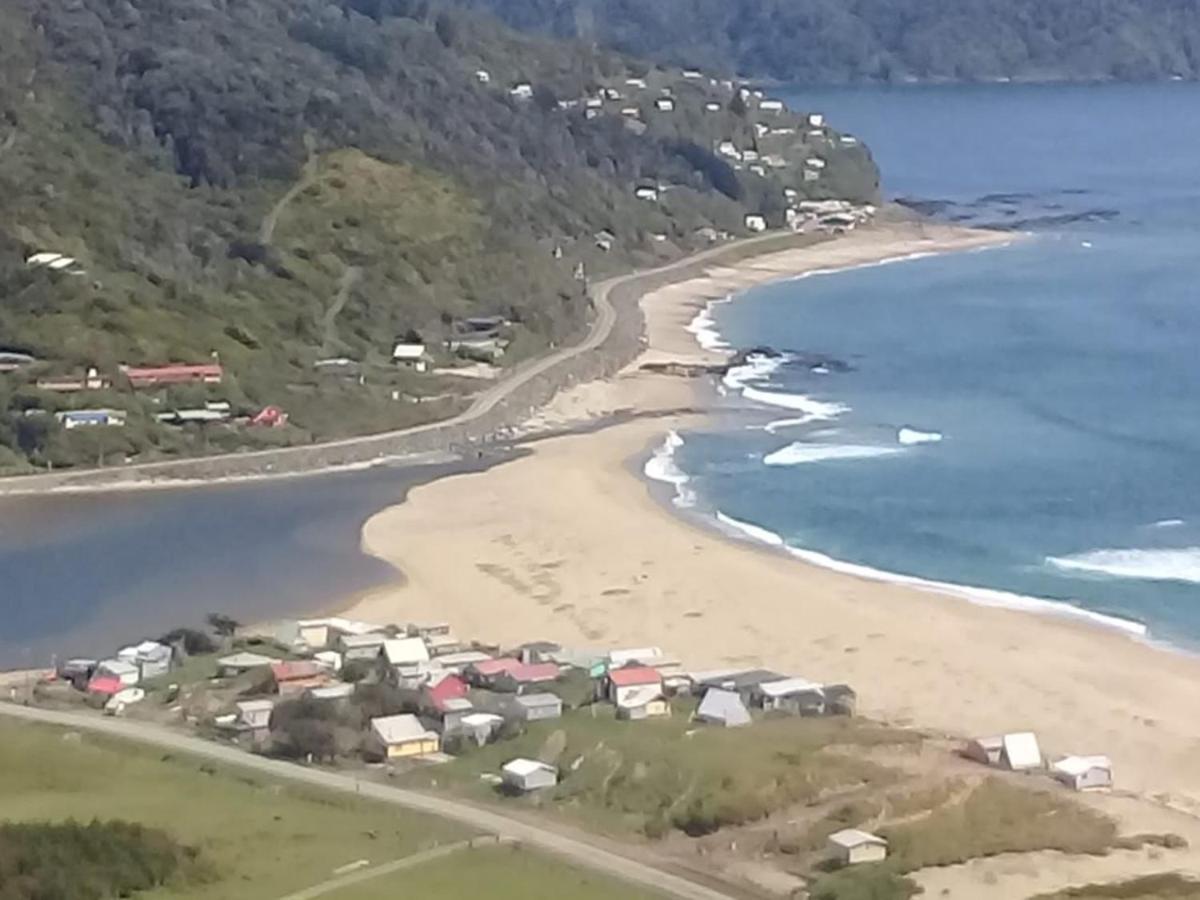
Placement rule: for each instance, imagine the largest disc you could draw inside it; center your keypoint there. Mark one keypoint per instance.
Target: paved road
(571, 849)
(484, 402)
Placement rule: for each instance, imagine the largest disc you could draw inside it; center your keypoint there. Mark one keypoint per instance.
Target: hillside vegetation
(267, 185)
(890, 40)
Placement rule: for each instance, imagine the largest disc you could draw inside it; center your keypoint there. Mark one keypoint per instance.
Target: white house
(330, 659)
(403, 736)
(815, 163)
(749, 156)
(756, 223)
(360, 646)
(816, 120)
(255, 714)
(646, 193)
(522, 91)
(332, 692)
(1018, 751)
(410, 356)
(728, 148)
(639, 83)
(644, 655)
(593, 103)
(851, 846)
(125, 672)
(1084, 773)
(664, 104)
(758, 170)
(483, 76)
(724, 708)
(406, 654)
(150, 657)
(771, 106)
(631, 112)
(609, 93)
(526, 775)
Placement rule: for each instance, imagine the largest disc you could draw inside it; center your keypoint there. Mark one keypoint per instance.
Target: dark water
(82, 574)
(1049, 390)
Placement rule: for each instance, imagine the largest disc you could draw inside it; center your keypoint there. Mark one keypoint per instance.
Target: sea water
(1014, 425)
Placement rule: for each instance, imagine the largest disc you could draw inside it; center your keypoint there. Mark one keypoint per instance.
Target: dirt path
(308, 173)
(329, 320)
(575, 850)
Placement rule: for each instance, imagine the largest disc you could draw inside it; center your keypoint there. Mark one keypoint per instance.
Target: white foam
(756, 368)
(704, 327)
(814, 410)
(980, 596)
(778, 424)
(661, 466)
(910, 436)
(1168, 523)
(1151, 565)
(801, 453)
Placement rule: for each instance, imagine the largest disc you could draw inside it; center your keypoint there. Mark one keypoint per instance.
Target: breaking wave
(910, 436)
(704, 328)
(661, 466)
(1152, 565)
(800, 453)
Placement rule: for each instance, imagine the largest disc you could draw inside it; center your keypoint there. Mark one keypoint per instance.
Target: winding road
(574, 850)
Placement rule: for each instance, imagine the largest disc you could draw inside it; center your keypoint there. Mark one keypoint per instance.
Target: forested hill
(287, 188)
(889, 40)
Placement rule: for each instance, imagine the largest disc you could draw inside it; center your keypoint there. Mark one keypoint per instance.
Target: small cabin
(1084, 773)
(525, 775)
(852, 846)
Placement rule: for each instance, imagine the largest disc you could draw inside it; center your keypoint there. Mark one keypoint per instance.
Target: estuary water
(1021, 421)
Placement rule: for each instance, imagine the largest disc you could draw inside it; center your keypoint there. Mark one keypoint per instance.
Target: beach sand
(569, 544)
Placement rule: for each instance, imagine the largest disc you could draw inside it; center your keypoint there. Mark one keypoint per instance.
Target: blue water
(1062, 373)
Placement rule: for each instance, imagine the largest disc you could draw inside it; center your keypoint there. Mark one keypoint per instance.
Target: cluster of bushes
(94, 861)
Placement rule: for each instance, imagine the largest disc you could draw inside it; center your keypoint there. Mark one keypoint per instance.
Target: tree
(223, 625)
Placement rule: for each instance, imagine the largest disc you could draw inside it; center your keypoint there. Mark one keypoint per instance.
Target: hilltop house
(402, 737)
(646, 192)
(88, 418)
(151, 658)
(852, 846)
(161, 376)
(1084, 773)
(526, 775)
(410, 356)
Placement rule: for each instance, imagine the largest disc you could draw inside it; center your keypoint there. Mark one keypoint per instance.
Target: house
(91, 381)
(161, 376)
(643, 702)
(664, 104)
(814, 163)
(728, 148)
(646, 193)
(760, 129)
(1018, 751)
(56, 262)
(848, 140)
(526, 775)
(811, 175)
(459, 662)
(332, 693)
(410, 356)
(985, 750)
(538, 651)
(255, 714)
(756, 223)
(521, 677)
(771, 106)
(749, 156)
(484, 673)
(483, 76)
(645, 656)
(639, 83)
(852, 846)
(793, 695)
(758, 170)
(402, 737)
(293, 677)
(125, 672)
(88, 418)
(1084, 773)
(631, 112)
(478, 726)
(536, 707)
(725, 708)
(237, 663)
(816, 120)
(330, 659)
(440, 645)
(605, 240)
(361, 646)
(191, 416)
(775, 161)
(629, 683)
(840, 700)
(593, 103)
(522, 91)
(338, 365)
(406, 655)
(116, 704)
(610, 93)
(10, 360)
(741, 681)
(437, 693)
(321, 633)
(104, 685)
(150, 657)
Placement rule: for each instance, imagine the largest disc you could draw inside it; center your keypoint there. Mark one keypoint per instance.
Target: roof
(635, 655)
(408, 351)
(640, 695)
(479, 719)
(245, 660)
(725, 706)
(541, 646)
(117, 667)
(522, 767)
(403, 651)
(1079, 765)
(332, 692)
(457, 704)
(630, 676)
(788, 686)
(854, 837)
(255, 705)
(464, 658)
(370, 639)
(400, 729)
(105, 684)
(296, 669)
(1021, 750)
(349, 626)
(450, 687)
(496, 666)
(540, 700)
(535, 672)
(745, 678)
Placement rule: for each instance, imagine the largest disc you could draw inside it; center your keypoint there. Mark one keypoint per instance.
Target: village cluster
(472, 695)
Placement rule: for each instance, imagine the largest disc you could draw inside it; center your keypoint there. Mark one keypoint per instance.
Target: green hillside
(826, 41)
(266, 185)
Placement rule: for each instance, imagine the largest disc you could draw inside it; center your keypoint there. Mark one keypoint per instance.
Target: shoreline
(571, 543)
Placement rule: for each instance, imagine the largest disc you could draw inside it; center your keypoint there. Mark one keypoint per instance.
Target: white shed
(255, 714)
(406, 653)
(723, 708)
(1021, 752)
(1084, 773)
(851, 846)
(410, 356)
(756, 223)
(526, 775)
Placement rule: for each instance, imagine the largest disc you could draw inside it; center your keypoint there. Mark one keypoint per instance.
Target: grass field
(1168, 886)
(261, 838)
(508, 873)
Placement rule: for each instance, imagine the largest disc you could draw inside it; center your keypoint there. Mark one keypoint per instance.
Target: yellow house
(401, 737)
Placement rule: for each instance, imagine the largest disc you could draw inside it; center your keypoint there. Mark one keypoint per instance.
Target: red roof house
(484, 671)
(520, 676)
(297, 676)
(105, 684)
(620, 681)
(449, 688)
(157, 376)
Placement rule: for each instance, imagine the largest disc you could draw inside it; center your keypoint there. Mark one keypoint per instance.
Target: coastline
(569, 544)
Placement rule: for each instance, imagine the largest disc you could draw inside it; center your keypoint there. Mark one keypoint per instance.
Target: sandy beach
(569, 544)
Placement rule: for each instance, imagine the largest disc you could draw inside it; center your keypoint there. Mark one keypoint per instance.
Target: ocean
(1015, 425)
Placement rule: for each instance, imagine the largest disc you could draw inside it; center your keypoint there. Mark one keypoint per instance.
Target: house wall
(412, 748)
(538, 713)
(866, 853)
(315, 635)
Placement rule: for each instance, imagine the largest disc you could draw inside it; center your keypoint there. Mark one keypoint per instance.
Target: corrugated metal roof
(401, 729)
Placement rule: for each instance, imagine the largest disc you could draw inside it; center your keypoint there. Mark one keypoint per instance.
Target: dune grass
(1167, 886)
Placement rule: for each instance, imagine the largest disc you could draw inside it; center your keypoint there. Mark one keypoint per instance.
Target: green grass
(262, 838)
(653, 775)
(509, 873)
(1168, 886)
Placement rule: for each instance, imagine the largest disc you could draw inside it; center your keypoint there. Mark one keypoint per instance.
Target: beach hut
(1084, 773)
(526, 775)
(852, 846)
(724, 708)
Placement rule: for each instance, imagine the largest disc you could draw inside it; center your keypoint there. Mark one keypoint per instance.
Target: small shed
(852, 846)
(538, 651)
(410, 356)
(407, 654)
(402, 736)
(255, 714)
(479, 726)
(1021, 752)
(536, 707)
(724, 708)
(237, 663)
(985, 750)
(125, 672)
(756, 223)
(797, 696)
(1084, 773)
(361, 646)
(526, 775)
(626, 682)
